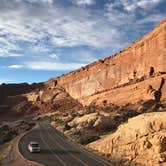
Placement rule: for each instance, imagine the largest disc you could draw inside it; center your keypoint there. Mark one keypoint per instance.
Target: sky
(41, 39)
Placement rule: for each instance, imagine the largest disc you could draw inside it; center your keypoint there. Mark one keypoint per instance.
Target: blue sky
(41, 39)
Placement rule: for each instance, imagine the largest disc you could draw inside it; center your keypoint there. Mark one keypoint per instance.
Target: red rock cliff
(142, 60)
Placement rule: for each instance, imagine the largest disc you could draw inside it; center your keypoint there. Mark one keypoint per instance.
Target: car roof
(33, 142)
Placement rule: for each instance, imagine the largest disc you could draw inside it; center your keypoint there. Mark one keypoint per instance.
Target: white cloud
(15, 66)
(84, 2)
(76, 28)
(131, 5)
(52, 66)
(7, 47)
(37, 1)
(5, 81)
(54, 56)
(146, 4)
(126, 20)
(154, 18)
(4, 53)
(42, 65)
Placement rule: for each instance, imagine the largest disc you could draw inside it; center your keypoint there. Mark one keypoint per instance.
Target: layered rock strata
(142, 60)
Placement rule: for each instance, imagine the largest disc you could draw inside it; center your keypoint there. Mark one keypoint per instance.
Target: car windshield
(35, 145)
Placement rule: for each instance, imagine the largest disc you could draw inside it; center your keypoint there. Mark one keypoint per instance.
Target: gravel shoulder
(9, 154)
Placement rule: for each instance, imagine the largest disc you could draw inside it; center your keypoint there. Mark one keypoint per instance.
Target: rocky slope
(38, 101)
(142, 139)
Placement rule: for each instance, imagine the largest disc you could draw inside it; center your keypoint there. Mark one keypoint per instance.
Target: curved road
(56, 149)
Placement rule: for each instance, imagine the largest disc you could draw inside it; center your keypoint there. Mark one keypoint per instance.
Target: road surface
(56, 149)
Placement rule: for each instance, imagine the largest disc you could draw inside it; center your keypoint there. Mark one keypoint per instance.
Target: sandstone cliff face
(142, 59)
(52, 99)
(151, 89)
(142, 140)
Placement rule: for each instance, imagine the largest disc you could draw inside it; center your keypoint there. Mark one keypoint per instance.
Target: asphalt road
(56, 149)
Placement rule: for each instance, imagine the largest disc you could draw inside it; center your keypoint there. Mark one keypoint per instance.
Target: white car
(34, 147)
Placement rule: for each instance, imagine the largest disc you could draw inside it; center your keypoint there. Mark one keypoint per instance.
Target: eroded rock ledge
(142, 139)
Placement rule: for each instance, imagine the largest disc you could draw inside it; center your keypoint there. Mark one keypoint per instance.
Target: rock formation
(142, 140)
(142, 60)
(93, 120)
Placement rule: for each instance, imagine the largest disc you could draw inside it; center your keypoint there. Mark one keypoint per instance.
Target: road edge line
(17, 148)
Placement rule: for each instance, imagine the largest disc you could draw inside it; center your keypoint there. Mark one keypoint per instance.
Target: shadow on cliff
(13, 105)
(17, 89)
(158, 93)
(16, 107)
(155, 103)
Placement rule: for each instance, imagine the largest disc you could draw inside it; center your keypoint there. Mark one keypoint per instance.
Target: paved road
(56, 149)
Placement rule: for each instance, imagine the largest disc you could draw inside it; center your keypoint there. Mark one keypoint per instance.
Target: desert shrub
(67, 127)
(88, 139)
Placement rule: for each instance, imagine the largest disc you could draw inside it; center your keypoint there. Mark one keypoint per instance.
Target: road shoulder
(13, 157)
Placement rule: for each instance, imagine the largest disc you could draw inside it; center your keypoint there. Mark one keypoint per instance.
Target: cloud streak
(15, 66)
(22, 22)
(84, 2)
(48, 66)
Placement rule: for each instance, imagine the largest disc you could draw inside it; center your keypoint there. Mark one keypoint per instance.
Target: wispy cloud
(5, 81)
(144, 4)
(50, 25)
(131, 18)
(53, 66)
(40, 65)
(24, 23)
(54, 56)
(84, 2)
(15, 66)
(131, 5)
(7, 47)
(37, 1)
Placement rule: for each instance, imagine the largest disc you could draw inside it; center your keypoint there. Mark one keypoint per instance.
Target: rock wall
(142, 59)
(142, 139)
(151, 89)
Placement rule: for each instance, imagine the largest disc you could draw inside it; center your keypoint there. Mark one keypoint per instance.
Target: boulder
(91, 121)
